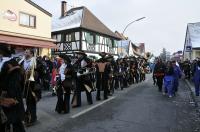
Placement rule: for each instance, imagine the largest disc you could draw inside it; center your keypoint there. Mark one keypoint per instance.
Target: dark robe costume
(32, 93)
(102, 74)
(11, 79)
(64, 90)
(83, 82)
(159, 73)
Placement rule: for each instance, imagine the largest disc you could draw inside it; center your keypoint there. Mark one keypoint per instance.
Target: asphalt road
(140, 108)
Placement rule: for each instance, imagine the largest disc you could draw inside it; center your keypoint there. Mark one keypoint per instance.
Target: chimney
(63, 8)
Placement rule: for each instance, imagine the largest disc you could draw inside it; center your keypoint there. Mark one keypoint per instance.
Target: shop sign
(9, 15)
(188, 48)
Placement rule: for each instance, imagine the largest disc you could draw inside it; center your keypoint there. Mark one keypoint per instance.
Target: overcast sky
(164, 26)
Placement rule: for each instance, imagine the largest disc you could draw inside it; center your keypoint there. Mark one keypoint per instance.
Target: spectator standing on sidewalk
(193, 67)
(152, 70)
(49, 69)
(187, 68)
(197, 78)
(46, 74)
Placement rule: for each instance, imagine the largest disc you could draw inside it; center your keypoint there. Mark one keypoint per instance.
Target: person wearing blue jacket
(177, 75)
(169, 79)
(197, 77)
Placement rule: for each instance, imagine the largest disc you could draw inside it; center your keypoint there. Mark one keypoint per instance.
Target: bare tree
(163, 55)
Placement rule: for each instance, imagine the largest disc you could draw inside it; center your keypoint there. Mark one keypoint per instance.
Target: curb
(192, 93)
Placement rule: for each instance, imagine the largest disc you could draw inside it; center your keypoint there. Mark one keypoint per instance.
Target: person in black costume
(64, 85)
(83, 79)
(159, 73)
(134, 71)
(125, 73)
(102, 76)
(111, 81)
(116, 74)
(32, 87)
(47, 74)
(11, 87)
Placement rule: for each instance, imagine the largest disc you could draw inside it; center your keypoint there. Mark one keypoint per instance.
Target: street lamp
(132, 23)
(128, 26)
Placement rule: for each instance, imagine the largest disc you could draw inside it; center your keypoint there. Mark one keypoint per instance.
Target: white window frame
(28, 24)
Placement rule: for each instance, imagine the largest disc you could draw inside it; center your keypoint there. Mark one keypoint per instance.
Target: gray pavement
(196, 99)
(140, 108)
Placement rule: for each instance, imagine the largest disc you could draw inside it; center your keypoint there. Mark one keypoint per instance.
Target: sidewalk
(196, 99)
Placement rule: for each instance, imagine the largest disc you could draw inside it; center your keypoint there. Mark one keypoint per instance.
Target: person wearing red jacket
(159, 73)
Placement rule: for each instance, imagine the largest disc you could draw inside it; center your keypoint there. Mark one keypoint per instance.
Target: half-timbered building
(78, 29)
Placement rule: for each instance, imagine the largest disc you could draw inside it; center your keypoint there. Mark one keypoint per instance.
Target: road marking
(105, 101)
(91, 108)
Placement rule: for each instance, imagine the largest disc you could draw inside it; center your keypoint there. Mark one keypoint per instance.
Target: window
(54, 36)
(97, 39)
(32, 21)
(113, 44)
(89, 37)
(67, 37)
(116, 43)
(70, 37)
(59, 37)
(73, 37)
(77, 36)
(24, 19)
(27, 20)
(108, 42)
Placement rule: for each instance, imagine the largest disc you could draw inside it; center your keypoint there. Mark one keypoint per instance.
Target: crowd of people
(192, 72)
(169, 72)
(23, 79)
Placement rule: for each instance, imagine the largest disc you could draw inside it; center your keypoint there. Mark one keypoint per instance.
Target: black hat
(81, 53)
(102, 54)
(109, 57)
(4, 50)
(65, 57)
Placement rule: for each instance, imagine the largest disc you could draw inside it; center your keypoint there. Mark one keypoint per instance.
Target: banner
(125, 45)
